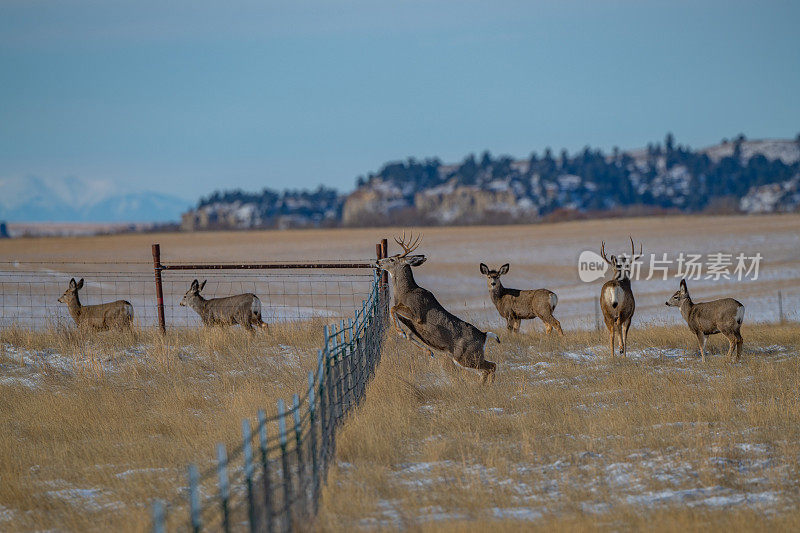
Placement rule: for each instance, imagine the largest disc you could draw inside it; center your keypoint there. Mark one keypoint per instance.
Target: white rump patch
(489, 335)
(553, 302)
(740, 315)
(255, 306)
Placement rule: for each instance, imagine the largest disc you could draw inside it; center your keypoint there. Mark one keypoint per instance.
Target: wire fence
(29, 292)
(272, 480)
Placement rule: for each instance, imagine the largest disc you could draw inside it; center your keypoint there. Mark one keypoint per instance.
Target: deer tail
(490, 335)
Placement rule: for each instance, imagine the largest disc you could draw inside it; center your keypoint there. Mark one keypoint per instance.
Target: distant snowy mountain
(35, 199)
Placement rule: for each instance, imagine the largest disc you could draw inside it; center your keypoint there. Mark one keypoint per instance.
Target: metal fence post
(384, 254)
(287, 476)
(194, 499)
(224, 487)
(263, 444)
(158, 517)
(298, 445)
(781, 318)
(312, 443)
(247, 454)
(162, 325)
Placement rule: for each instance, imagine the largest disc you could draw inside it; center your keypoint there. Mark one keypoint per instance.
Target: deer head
(71, 294)
(193, 293)
(493, 276)
(394, 263)
(621, 266)
(680, 296)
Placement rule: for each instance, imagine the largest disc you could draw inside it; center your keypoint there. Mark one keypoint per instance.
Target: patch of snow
(517, 513)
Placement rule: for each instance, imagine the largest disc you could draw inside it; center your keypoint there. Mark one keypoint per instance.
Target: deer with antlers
(430, 326)
(616, 296)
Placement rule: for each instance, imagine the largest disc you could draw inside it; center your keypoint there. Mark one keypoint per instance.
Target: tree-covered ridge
(750, 176)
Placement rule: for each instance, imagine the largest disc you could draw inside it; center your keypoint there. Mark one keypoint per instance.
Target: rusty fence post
(162, 325)
(384, 254)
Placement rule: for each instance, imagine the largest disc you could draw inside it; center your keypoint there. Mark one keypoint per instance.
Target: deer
(517, 305)
(708, 318)
(616, 297)
(430, 325)
(111, 315)
(242, 309)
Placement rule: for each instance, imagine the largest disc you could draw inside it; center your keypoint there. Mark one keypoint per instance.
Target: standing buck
(112, 315)
(515, 305)
(431, 326)
(707, 318)
(242, 309)
(616, 297)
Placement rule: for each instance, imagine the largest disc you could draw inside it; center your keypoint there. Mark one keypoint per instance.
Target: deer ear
(504, 269)
(683, 286)
(194, 284)
(72, 283)
(417, 260)
(484, 269)
(79, 286)
(203, 284)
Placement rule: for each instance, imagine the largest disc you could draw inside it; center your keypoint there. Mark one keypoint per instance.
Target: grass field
(93, 427)
(570, 438)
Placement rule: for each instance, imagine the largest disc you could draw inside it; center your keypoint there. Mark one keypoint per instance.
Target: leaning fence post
(263, 444)
(158, 516)
(224, 488)
(247, 454)
(194, 499)
(287, 476)
(162, 325)
(298, 445)
(323, 436)
(781, 318)
(312, 443)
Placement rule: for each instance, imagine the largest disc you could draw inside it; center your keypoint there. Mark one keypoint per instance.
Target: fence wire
(29, 292)
(272, 480)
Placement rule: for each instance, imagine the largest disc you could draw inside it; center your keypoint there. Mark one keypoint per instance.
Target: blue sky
(189, 96)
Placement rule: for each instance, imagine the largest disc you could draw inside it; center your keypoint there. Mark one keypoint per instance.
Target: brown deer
(517, 305)
(112, 315)
(707, 318)
(242, 309)
(616, 297)
(431, 326)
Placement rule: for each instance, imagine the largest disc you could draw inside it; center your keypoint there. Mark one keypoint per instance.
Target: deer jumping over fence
(517, 305)
(708, 318)
(616, 297)
(431, 326)
(242, 309)
(112, 315)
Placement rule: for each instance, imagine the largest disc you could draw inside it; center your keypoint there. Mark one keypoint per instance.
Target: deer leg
(510, 324)
(612, 330)
(398, 329)
(414, 339)
(487, 368)
(551, 323)
(517, 324)
(701, 341)
(732, 343)
(624, 335)
(739, 342)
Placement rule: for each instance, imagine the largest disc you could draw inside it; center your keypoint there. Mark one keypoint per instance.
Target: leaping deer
(431, 326)
(116, 315)
(707, 318)
(616, 297)
(515, 305)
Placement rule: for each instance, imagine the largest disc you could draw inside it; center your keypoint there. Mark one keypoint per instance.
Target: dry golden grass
(93, 427)
(570, 438)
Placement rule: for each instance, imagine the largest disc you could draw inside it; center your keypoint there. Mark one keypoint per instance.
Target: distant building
(3, 231)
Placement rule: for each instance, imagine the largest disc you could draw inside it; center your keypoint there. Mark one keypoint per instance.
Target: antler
(603, 252)
(633, 254)
(411, 245)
